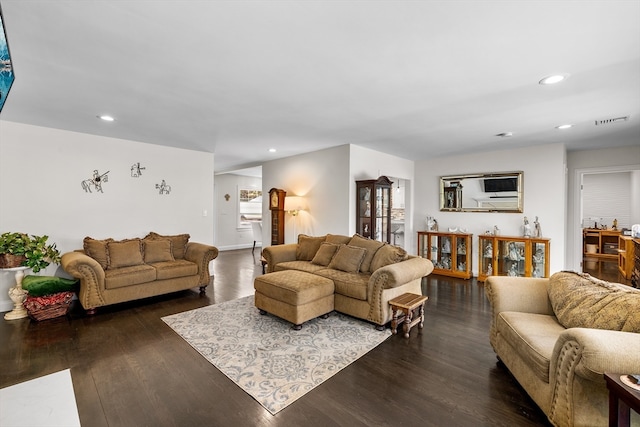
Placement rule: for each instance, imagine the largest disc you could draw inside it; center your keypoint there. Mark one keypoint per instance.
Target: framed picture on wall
(6, 67)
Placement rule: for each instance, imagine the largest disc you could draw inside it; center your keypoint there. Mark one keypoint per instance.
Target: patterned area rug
(265, 357)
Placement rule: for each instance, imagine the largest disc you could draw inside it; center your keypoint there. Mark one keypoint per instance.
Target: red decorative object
(49, 306)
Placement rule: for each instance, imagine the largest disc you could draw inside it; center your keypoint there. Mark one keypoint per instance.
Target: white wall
(40, 175)
(323, 178)
(544, 195)
(228, 235)
(591, 161)
(369, 164)
(327, 178)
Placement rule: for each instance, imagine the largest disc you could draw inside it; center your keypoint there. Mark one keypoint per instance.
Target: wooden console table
(622, 398)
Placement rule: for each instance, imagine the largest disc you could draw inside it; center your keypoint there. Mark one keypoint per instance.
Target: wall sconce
(295, 204)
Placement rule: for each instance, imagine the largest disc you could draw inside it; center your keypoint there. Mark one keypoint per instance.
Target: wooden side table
(407, 304)
(622, 398)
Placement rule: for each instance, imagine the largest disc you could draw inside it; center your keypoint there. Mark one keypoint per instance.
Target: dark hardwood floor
(130, 369)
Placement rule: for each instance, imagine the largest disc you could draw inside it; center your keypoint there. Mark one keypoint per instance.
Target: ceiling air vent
(611, 121)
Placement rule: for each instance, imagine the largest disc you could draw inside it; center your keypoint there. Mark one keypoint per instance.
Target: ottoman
(294, 295)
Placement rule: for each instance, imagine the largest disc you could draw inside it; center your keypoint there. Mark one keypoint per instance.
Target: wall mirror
(483, 192)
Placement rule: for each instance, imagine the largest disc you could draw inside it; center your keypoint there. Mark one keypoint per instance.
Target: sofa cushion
(325, 254)
(338, 239)
(97, 249)
(388, 254)
(178, 243)
(582, 301)
(124, 253)
(128, 276)
(348, 259)
(158, 250)
(308, 246)
(173, 269)
(307, 266)
(353, 285)
(371, 246)
(532, 336)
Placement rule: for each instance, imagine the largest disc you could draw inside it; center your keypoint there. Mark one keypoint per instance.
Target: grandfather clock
(276, 206)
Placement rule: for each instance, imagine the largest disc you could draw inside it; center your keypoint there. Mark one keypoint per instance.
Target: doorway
(398, 210)
(607, 199)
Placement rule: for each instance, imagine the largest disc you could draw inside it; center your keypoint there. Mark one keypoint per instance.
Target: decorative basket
(11, 260)
(50, 306)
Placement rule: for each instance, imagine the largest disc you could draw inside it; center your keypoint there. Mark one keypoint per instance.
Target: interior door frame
(577, 205)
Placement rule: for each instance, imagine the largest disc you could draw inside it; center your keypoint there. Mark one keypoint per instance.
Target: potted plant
(21, 249)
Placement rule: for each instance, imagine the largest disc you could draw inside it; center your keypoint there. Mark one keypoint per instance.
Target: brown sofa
(558, 335)
(113, 271)
(366, 273)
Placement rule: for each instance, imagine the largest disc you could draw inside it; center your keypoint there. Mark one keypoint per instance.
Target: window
(249, 207)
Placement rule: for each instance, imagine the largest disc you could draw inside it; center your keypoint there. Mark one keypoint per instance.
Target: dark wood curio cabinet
(373, 208)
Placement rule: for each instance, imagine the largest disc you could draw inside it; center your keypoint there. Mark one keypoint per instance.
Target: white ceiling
(412, 78)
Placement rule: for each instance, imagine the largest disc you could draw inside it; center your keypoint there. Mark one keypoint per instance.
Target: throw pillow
(325, 254)
(308, 246)
(581, 301)
(348, 258)
(388, 254)
(124, 253)
(97, 249)
(178, 243)
(338, 239)
(158, 250)
(371, 246)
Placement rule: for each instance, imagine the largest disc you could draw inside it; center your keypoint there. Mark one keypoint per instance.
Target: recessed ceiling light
(567, 126)
(272, 150)
(553, 79)
(505, 134)
(106, 118)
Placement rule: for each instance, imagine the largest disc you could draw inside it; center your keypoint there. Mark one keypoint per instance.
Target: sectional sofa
(366, 274)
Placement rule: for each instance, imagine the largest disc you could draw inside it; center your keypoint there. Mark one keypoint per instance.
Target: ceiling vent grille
(611, 121)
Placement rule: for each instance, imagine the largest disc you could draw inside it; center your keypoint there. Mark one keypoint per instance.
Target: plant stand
(17, 295)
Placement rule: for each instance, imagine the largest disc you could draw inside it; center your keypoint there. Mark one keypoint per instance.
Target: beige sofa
(558, 335)
(366, 273)
(113, 271)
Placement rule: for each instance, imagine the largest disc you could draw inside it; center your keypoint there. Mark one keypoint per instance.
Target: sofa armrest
(399, 273)
(392, 276)
(523, 294)
(202, 255)
(279, 253)
(91, 275)
(598, 351)
(579, 359)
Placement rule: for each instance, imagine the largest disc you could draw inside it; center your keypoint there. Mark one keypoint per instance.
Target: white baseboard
(6, 306)
(236, 247)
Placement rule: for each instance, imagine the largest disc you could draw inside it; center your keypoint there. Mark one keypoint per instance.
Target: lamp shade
(295, 203)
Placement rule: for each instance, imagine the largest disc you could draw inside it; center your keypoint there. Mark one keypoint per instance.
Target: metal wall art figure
(136, 170)
(95, 182)
(163, 187)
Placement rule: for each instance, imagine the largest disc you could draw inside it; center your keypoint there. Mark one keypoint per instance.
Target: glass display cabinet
(513, 256)
(449, 252)
(373, 209)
